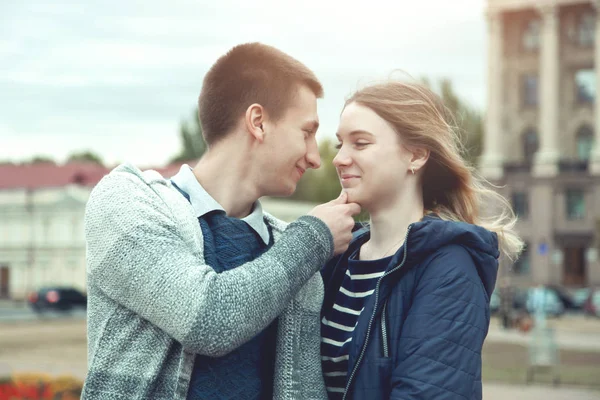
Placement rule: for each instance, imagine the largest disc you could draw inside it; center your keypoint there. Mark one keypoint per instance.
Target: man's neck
(228, 180)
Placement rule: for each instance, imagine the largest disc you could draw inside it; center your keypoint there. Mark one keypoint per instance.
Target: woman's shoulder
(329, 268)
(359, 233)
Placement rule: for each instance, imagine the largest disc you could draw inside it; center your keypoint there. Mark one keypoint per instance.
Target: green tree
(85, 156)
(469, 122)
(320, 185)
(40, 159)
(192, 141)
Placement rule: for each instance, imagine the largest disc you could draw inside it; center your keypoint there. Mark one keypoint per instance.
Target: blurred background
(86, 86)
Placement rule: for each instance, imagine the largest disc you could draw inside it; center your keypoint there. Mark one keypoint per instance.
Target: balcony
(564, 166)
(510, 5)
(572, 166)
(517, 167)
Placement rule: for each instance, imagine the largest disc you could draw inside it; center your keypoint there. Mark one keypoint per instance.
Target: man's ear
(254, 121)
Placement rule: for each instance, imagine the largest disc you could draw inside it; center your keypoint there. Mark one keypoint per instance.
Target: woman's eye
(361, 144)
(338, 146)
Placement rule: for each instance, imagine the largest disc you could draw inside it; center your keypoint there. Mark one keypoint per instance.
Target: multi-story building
(41, 225)
(542, 139)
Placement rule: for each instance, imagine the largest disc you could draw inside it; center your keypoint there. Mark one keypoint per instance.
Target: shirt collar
(203, 203)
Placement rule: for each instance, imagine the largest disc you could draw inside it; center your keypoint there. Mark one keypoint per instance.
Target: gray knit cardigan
(153, 303)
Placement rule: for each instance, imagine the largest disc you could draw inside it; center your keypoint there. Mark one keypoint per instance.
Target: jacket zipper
(364, 346)
(386, 352)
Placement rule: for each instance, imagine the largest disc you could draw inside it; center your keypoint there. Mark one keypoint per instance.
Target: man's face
(290, 146)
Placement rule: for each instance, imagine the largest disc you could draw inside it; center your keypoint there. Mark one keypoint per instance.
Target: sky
(118, 77)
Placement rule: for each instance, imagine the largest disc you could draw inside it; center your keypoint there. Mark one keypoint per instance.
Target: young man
(193, 291)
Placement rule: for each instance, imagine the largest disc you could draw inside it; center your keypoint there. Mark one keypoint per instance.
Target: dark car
(581, 295)
(558, 301)
(592, 303)
(56, 298)
(567, 299)
(520, 299)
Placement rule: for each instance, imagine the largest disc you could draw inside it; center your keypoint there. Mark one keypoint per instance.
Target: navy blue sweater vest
(247, 372)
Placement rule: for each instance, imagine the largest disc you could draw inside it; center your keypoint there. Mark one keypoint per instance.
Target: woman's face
(371, 162)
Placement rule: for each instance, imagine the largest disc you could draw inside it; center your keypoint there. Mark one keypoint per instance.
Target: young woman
(406, 307)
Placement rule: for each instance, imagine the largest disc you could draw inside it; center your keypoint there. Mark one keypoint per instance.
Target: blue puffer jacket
(421, 332)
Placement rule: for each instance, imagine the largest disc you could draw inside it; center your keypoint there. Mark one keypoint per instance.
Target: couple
(196, 293)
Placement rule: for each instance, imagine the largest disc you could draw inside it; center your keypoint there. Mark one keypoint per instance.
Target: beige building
(543, 131)
(42, 211)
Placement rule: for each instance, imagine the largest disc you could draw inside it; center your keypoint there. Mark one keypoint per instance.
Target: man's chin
(283, 191)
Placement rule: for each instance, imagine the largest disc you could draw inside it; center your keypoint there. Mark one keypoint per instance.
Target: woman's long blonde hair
(451, 188)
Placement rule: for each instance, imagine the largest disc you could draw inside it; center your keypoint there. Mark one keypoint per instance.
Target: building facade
(542, 133)
(41, 225)
(42, 209)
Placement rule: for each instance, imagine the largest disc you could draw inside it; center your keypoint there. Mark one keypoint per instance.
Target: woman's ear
(419, 158)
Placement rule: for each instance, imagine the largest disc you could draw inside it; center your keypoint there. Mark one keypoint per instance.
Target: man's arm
(137, 257)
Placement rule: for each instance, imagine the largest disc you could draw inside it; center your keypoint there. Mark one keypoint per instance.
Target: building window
(522, 265)
(530, 144)
(72, 264)
(520, 204)
(530, 90)
(531, 35)
(575, 204)
(586, 27)
(585, 85)
(75, 228)
(585, 142)
(46, 229)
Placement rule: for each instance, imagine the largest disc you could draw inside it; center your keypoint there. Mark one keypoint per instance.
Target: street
(496, 391)
(571, 332)
(10, 311)
(57, 346)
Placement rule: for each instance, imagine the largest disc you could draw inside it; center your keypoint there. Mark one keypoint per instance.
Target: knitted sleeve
(137, 256)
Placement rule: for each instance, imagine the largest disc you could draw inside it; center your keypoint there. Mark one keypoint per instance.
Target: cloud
(106, 74)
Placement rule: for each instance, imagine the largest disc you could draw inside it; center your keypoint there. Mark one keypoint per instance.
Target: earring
(412, 168)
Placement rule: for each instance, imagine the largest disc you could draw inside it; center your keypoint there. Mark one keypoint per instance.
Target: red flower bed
(40, 387)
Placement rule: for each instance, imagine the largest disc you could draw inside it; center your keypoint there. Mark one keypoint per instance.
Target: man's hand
(337, 215)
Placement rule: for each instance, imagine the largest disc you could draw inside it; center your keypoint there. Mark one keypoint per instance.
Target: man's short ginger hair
(250, 73)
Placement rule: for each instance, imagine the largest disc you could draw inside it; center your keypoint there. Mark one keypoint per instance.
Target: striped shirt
(338, 323)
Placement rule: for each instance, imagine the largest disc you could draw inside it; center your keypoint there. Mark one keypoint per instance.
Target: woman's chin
(353, 196)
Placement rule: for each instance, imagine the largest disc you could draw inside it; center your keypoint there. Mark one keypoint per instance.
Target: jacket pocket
(374, 380)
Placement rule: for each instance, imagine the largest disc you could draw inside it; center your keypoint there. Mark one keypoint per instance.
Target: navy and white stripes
(338, 323)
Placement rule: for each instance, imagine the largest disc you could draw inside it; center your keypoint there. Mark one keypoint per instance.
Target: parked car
(520, 299)
(558, 301)
(581, 295)
(553, 305)
(592, 303)
(567, 299)
(56, 298)
(494, 302)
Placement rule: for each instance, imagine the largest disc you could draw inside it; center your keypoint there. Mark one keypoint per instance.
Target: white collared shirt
(203, 202)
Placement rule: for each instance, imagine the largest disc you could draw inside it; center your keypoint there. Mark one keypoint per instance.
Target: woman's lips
(348, 177)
